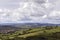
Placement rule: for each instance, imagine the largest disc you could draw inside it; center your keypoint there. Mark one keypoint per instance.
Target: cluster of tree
(46, 34)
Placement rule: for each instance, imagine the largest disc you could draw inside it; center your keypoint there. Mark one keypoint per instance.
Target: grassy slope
(39, 31)
(50, 34)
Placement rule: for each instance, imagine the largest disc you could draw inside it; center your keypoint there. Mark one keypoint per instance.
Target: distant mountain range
(28, 24)
(4, 28)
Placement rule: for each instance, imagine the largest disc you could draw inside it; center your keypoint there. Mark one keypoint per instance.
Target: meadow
(39, 33)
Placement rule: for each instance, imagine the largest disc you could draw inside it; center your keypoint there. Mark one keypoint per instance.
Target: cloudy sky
(21, 11)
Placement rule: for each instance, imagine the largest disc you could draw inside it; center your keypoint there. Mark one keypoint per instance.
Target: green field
(40, 33)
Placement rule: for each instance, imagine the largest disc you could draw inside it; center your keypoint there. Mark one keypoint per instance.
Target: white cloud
(1, 10)
(54, 15)
(31, 12)
(28, 10)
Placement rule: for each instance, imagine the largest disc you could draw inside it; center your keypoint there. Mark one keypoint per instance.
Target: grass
(35, 33)
(38, 31)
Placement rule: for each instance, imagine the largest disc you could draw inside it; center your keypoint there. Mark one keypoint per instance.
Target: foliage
(41, 33)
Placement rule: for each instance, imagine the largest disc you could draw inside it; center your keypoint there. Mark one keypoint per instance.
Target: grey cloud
(30, 11)
(10, 4)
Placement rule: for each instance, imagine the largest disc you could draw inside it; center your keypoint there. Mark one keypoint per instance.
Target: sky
(35, 11)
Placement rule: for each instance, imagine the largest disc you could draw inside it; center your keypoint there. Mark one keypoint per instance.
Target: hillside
(5, 28)
(39, 33)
